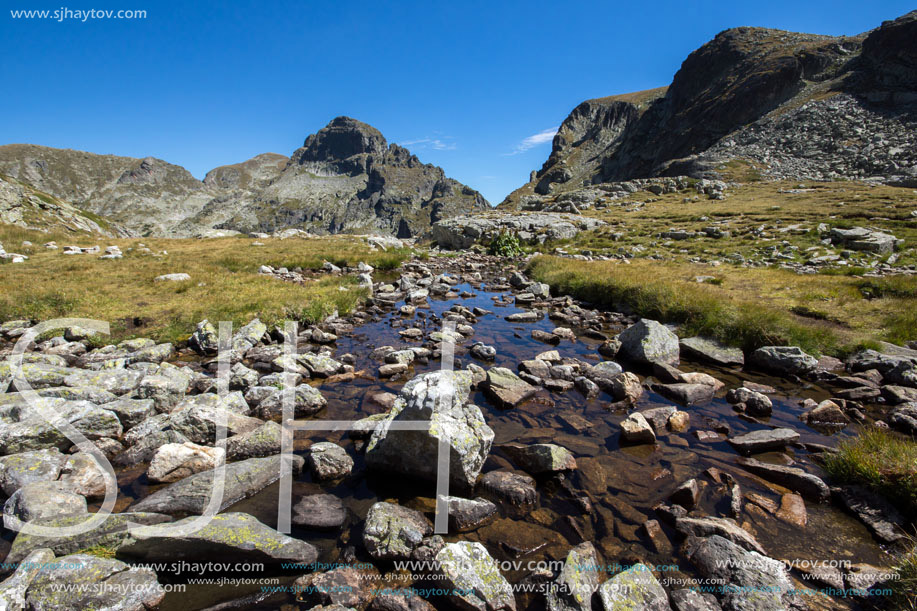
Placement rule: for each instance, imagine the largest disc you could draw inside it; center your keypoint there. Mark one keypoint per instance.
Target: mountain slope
(345, 178)
(799, 105)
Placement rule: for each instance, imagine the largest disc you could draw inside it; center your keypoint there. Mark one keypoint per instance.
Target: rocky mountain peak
(341, 139)
(779, 100)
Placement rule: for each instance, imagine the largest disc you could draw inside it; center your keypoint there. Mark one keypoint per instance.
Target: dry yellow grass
(224, 282)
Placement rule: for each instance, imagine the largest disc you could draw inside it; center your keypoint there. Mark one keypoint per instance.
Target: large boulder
(17, 470)
(392, 532)
(635, 588)
(439, 398)
(753, 582)
(784, 359)
(712, 351)
(648, 341)
(578, 580)
(474, 578)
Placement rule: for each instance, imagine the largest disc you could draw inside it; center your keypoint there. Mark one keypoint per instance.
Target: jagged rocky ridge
(345, 178)
(799, 106)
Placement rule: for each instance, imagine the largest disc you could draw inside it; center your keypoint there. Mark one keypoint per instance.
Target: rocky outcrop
(345, 178)
(27, 207)
(798, 106)
(463, 231)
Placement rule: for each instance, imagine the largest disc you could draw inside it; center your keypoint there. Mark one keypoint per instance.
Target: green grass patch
(881, 461)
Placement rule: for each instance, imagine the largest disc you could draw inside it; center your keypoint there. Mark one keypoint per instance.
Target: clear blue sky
(462, 84)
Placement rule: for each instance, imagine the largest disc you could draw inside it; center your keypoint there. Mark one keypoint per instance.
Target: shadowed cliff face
(345, 178)
(742, 77)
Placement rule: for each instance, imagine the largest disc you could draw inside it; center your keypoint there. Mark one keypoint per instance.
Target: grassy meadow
(224, 281)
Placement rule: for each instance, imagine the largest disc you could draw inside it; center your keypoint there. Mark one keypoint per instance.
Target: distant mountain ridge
(800, 106)
(345, 178)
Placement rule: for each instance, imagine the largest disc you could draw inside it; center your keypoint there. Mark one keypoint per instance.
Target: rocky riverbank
(638, 463)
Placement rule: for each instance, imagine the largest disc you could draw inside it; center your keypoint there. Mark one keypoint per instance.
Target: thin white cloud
(436, 144)
(534, 140)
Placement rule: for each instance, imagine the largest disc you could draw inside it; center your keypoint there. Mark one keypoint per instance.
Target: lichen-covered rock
(204, 340)
(107, 584)
(506, 388)
(17, 470)
(784, 359)
(175, 461)
(578, 580)
(13, 589)
(635, 588)
(474, 578)
(329, 461)
(238, 536)
(109, 533)
(541, 457)
(307, 401)
(648, 341)
(461, 232)
(757, 583)
(43, 500)
(191, 495)
(391, 532)
(438, 398)
(262, 441)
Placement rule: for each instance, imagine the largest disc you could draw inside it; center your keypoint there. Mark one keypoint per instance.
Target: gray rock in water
(763, 440)
(474, 578)
(723, 527)
(175, 461)
(692, 600)
(635, 588)
(758, 583)
(712, 351)
(904, 418)
(878, 514)
(190, 495)
(469, 514)
(649, 341)
(105, 584)
(808, 485)
(507, 389)
(784, 359)
(329, 461)
(515, 489)
(109, 533)
(541, 457)
(578, 580)
(199, 423)
(391, 532)
(307, 401)
(438, 398)
(635, 429)
(236, 536)
(262, 441)
(319, 511)
(756, 404)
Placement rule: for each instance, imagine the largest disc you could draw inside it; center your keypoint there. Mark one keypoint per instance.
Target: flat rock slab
(712, 351)
(881, 517)
(808, 485)
(319, 511)
(191, 495)
(507, 389)
(764, 440)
